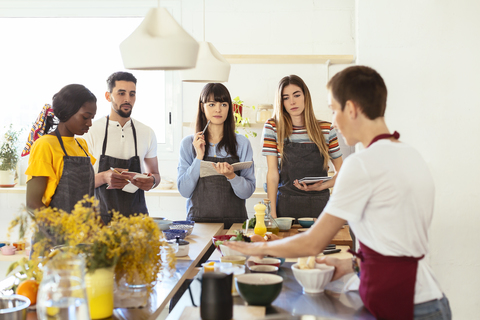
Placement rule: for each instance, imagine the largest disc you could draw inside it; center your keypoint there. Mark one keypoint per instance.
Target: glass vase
(62, 294)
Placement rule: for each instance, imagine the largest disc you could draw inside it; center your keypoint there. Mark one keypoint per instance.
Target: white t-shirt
(386, 193)
(120, 143)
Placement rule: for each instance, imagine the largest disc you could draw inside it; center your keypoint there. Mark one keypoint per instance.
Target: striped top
(299, 135)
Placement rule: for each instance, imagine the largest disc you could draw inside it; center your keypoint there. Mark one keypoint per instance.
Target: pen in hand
(203, 132)
(115, 170)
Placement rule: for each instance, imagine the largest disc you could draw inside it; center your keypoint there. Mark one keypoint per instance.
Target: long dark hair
(67, 102)
(219, 93)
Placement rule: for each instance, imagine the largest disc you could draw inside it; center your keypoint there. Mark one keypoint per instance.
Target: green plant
(240, 121)
(9, 154)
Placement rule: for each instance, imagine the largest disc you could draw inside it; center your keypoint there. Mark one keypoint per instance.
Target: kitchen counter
(292, 301)
(200, 241)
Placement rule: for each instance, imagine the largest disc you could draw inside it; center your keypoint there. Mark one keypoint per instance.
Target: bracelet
(355, 266)
(154, 182)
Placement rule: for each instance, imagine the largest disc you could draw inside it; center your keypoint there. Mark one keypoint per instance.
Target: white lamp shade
(211, 66)
(159, 43)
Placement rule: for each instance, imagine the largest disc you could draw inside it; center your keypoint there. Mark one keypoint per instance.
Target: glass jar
(264, 112)
(62, 294)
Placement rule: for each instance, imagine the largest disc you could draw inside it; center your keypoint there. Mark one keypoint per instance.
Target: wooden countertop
(200, 240)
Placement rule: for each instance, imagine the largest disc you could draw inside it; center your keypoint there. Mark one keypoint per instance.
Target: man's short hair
(363, 86)
(119, 76)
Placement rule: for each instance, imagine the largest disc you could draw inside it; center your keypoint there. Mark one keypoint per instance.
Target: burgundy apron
(387, 283)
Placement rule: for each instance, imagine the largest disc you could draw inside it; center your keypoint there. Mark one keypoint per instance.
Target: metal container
(13, 307)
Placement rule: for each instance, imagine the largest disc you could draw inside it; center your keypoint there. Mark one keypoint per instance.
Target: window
(41, 55)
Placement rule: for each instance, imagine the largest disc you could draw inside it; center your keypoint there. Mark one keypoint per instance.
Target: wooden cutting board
(342, 238)
(239, 313)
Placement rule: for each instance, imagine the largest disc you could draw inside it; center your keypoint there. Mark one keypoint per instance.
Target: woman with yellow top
(60, 170)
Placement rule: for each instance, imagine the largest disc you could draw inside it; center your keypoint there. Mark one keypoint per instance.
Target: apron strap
(59, 137)
(134, 137)
(395, 135)
(104, 148)
(82, 148)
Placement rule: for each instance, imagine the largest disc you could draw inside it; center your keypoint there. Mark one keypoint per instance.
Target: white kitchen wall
(427, 52)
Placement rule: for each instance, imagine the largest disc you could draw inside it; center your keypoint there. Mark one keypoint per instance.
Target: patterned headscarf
(38, 128)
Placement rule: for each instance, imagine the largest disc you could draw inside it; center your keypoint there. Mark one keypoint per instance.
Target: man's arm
(152, 170)
(309, 243)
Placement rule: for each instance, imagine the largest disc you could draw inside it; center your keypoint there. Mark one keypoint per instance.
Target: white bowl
(313, 280)
(226, 251)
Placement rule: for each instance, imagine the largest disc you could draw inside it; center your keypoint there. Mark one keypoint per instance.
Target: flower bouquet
(129, 246)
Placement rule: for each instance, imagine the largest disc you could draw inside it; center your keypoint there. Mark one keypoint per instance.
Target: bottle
(260, 227)
(270, 223)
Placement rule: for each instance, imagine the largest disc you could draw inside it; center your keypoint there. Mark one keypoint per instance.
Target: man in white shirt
(123, 148)
(386, 193)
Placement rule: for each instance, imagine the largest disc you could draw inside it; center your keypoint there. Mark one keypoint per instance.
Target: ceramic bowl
(259, 289)
(8, 250)
(267, 261)
(183, 225)
(293, 219)
(306, 222)
(234, 259)
(226, 251)
(163, 223)
(313, 280)
(173, 234)
(284, 224)
(263, 269)
(14, 307)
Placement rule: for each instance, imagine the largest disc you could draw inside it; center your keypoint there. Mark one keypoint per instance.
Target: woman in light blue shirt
(221, 197)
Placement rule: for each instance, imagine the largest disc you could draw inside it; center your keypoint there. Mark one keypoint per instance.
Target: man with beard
(124, 147)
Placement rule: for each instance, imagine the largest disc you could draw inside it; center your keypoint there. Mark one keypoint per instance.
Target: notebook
(206, 168)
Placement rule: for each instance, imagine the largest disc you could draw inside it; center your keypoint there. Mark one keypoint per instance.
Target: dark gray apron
(214, 201)
(115, 199)
(300, 160)
(78, 179)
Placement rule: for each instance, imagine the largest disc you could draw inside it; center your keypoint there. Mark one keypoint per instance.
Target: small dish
(173, 234)
(162, 223)
(234, 259)
(268, 261)
(303, 229)
(183, 225)
(263, 269)
(259, 289)
(306, 222)
(313, 280)
(284, 224)
(226, 251)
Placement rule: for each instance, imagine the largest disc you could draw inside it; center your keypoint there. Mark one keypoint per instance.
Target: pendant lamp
(159, 43)
(211, 65)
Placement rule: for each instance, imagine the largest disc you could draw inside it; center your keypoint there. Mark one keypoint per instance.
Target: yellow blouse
(46, 160)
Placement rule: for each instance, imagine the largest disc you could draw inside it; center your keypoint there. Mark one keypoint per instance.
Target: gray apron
(115, 199)
(214, 201)
(78, 179)
(300, 160)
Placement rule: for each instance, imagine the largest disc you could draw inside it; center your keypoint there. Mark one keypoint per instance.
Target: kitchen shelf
(288, 59)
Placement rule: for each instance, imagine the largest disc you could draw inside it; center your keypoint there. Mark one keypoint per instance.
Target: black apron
(300, 160)
(214, 201)
(115, 199)
(78, 180)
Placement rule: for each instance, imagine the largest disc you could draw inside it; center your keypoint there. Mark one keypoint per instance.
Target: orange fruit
(29, 289)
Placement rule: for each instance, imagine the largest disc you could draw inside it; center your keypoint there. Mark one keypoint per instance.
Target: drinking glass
(62, 293)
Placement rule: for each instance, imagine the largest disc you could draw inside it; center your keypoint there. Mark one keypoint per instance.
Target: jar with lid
(264, 112)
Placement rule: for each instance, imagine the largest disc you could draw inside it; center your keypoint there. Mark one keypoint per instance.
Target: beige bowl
(234, 259)
(313, 280)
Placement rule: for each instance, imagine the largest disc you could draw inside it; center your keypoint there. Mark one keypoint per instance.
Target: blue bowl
(306, 222)
(172, 234)
(183, 225)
